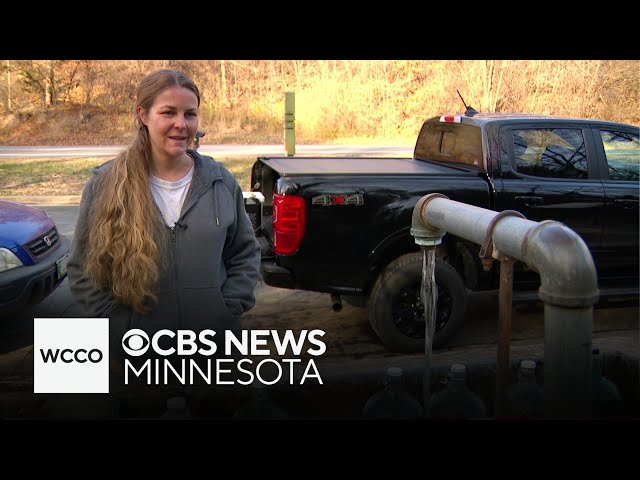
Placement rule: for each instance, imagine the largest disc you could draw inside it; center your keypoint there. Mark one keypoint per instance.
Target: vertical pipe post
(504, 333)
(290, 123)
(567, 361)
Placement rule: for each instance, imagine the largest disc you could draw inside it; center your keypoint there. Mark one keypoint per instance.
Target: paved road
(212, 150)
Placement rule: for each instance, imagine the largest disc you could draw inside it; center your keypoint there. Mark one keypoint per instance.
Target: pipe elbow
(423, 233)
(567, 273)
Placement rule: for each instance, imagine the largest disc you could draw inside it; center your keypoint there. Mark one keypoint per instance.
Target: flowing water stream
(429, 296)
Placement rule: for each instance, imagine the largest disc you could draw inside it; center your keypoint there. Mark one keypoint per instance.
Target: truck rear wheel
(396, 312)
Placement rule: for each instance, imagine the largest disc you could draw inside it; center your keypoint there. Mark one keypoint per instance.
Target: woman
(162, 239)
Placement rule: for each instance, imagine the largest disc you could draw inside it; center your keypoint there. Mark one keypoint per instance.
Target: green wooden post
(290, 123)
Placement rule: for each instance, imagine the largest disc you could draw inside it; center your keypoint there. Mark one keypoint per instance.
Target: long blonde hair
(126, 233)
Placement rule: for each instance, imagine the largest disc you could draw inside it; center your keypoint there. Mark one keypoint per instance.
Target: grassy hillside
(76, 102)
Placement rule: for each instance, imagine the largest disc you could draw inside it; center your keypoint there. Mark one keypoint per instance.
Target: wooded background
(91, 101)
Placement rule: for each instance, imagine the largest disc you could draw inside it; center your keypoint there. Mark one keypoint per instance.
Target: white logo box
(71, 355)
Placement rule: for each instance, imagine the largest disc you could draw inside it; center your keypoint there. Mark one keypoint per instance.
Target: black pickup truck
(341, 225)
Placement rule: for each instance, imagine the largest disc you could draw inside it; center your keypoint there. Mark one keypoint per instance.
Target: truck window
(452, 143)
(550, 152)
(622, 150)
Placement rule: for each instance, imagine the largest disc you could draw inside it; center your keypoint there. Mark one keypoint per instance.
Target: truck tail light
(289, 220)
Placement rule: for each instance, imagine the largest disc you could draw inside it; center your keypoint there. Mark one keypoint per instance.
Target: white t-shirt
(169, 196)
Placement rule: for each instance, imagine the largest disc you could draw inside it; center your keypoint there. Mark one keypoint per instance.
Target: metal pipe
(336, 302)
(568, 287)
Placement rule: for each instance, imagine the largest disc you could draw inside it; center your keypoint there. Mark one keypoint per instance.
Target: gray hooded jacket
(213, 257)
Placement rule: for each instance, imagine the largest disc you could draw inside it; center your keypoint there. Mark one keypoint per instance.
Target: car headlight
(8, 260)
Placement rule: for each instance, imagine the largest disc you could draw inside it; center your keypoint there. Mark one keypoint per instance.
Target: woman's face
(172, 122)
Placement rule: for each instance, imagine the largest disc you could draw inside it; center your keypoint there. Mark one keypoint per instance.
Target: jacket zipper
(176, 276)
(192, 200)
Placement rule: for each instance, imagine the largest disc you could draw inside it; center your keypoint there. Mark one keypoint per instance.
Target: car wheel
(396, 312)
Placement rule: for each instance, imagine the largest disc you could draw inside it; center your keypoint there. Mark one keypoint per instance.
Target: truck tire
(396, 313)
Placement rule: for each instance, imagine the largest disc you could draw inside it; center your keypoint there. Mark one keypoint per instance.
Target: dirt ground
(347, 333)
(349, 336)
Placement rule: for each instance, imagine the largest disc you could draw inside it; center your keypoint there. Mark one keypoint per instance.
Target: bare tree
(9, 106)
(335, 98)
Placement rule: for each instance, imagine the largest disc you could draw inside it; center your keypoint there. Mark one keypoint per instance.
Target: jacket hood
(206, 169)
(206, 172)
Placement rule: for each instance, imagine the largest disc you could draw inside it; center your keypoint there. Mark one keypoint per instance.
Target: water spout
(423, 233)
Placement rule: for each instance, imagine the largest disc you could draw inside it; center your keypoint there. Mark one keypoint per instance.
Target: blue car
(33, 256)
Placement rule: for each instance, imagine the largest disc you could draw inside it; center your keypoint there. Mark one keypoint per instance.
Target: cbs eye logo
(135, 342)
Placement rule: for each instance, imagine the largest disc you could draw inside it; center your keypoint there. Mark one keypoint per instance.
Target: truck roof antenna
(469, 111)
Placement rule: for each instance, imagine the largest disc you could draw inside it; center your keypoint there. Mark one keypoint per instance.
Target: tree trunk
(223, 79)
(9, 106)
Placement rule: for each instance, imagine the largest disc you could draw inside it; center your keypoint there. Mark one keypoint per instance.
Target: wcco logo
(71, 355)
(67, 355)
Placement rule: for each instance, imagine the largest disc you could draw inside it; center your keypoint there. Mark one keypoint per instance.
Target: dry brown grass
(67, 176)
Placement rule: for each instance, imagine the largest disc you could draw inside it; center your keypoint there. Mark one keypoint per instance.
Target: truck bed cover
(287, 166)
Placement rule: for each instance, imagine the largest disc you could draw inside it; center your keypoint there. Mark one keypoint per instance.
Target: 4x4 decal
(331, 200)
